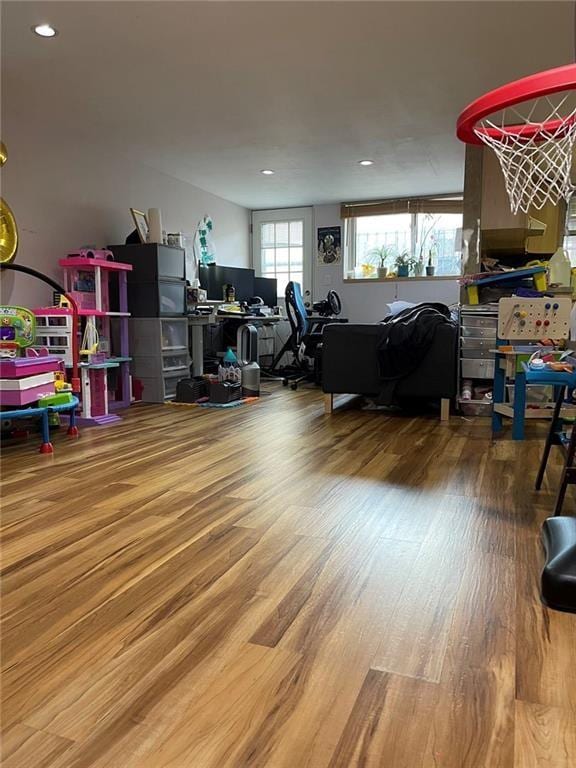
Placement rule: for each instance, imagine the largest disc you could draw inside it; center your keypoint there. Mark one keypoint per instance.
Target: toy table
(511, 364)
(43, 414)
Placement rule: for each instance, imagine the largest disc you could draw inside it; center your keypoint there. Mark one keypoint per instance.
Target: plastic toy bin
(174, 334)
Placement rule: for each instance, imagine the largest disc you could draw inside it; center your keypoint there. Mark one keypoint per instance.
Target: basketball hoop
(535, 150)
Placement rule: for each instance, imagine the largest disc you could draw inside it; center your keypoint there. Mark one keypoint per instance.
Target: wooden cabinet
(496, 214)
(495, 210)
(554, 217)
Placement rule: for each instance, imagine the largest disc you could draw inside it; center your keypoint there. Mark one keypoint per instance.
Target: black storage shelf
(164, 298)
(156, 285)
(151, 262)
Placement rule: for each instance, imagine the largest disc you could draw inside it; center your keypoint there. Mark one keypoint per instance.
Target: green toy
(17, 330)
(60, 398)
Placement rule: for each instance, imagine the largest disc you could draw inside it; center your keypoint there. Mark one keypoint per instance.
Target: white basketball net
(536, 170)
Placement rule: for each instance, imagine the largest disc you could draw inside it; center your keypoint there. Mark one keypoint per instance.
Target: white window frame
(279, 215)
(350, 240)
(350, 236)
(568, 231)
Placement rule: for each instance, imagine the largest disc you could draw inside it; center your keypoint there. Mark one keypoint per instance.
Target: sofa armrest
(436, 375)
(349, 359)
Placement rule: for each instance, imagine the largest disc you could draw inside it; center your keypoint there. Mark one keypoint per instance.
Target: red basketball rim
(526, 89)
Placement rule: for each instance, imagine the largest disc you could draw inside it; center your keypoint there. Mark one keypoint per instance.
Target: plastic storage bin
(477, 368)
(164, 297)
(174, 334)
(160, 355)
(175, 361)
(479, 331)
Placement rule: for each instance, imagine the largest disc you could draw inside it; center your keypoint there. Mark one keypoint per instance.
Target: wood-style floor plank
(389, 724)
(23, 746)
(545, 640)
(270, 587)
(545, 736)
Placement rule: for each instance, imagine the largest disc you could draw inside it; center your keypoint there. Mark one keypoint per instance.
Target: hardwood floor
(270, 586)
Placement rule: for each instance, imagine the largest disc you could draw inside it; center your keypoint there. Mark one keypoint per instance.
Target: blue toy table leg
(498, 393)
(46, 446)
(519, 407)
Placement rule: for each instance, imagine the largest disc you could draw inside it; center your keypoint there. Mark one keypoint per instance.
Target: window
(570, 235)
(281, 245)
(282, 251)
(432, 236)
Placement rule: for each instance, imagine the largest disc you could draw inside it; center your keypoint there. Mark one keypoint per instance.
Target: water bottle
(559, 268)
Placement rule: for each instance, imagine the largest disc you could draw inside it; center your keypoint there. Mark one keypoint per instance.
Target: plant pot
(382, 272)
(418, 269)
(430, 271)
(403, 270)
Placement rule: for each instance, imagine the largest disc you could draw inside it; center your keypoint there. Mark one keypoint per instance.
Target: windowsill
(399, 279)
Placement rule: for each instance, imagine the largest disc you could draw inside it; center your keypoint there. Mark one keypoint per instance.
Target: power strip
(534, 319)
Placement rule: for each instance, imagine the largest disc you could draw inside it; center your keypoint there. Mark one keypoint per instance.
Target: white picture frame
(141, 222)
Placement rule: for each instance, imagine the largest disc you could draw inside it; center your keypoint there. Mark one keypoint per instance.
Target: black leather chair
(559, 573)
(304, 340)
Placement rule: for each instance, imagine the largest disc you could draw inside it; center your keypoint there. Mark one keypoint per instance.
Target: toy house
(99, 288)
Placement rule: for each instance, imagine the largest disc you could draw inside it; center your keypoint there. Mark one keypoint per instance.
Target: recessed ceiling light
(45, 30)
(267, 172)
(365, 162)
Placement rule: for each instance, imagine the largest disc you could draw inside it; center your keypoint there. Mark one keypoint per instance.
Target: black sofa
(350, 366)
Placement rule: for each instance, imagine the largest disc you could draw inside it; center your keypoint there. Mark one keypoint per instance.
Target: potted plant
(382, 254)
(430, 268)
(426, 234)
(404, 263)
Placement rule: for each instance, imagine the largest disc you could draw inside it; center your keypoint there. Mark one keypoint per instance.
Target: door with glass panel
(282, 246)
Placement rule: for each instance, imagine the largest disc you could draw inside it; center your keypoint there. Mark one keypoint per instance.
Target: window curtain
(444, 204)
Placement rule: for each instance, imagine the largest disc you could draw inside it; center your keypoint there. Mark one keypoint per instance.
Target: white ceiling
(213, 92)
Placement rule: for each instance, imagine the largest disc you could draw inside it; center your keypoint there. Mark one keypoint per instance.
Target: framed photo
(329, 245)
(141, 222)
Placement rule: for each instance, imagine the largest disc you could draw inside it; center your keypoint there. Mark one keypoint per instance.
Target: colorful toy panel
(17, 330)
(535, 318)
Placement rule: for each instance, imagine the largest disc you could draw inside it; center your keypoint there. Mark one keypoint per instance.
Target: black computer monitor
(267, 289)
(214, 277)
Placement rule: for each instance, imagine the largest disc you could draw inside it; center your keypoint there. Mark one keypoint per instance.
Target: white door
(282, 247)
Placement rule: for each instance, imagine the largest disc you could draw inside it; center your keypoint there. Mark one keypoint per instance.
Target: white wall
(366, 302)
(66, 193)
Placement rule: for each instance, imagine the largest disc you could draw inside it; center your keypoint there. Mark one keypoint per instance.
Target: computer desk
(196, 325)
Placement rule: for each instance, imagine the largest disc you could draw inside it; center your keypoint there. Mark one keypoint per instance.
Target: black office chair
(305, 337)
